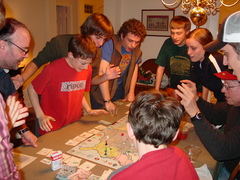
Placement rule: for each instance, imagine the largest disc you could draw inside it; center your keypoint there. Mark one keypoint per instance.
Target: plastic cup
(192, 152)
(114, 112)
(182, 135)
(183, 132)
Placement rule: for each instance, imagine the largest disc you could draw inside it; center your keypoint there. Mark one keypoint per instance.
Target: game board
(110, 147)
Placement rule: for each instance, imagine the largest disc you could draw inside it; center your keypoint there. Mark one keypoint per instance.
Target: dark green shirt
(176, 60)
(55, 49)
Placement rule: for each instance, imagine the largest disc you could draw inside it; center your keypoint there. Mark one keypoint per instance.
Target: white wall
(40, 17)
(119, 11)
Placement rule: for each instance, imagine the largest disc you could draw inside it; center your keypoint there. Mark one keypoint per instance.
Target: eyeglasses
(25, 51)
(229, 87)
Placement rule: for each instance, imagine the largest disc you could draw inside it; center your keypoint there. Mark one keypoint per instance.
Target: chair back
(235, 172)
(150, 65)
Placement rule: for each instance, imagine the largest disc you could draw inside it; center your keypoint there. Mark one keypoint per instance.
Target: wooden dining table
(56, 140)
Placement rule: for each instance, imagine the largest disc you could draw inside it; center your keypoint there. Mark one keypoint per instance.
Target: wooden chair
(147, 65)
(235, 172)
(150, 65)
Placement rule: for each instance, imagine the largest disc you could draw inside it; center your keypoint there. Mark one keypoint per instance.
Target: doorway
(63, 20)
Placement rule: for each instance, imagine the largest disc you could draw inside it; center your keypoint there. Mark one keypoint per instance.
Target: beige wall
(120, 10)
(97, 8)
(40, 17)
(226, 11)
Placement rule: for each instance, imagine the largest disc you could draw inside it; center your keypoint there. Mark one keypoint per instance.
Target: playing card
(44, 151)
(87, 166)
(65, 157)
(94, 177)
(100, 127)
(71, 142)
(104, 122)
(79, 138)
(86, 134)
(93, 131)
(46, 161)
(73, 161)
(105, 174)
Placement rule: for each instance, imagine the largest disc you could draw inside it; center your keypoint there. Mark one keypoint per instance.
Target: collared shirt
(6, 85)
(8, 169)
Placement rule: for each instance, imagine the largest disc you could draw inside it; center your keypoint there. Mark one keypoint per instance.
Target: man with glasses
(228, 42)
(25, 51)
(224, 147)
(14, 46)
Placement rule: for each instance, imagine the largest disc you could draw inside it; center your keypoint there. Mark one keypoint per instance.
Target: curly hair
(133, 26)
(155, 117)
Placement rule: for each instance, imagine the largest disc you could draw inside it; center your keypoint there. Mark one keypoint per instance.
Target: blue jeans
(224, 174)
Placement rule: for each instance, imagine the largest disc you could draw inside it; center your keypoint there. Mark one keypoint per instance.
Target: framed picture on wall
(157, 21)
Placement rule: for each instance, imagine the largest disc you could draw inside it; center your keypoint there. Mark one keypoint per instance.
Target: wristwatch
(23, 130)
(198, 116)
(108, 101)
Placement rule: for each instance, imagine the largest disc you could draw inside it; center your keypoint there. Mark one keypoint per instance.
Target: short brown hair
(178, 22)
(236, 47)
(155, 117)
(97, 24)
(82, 46)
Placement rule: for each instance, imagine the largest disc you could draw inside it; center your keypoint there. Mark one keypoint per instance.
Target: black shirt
(202, 73)
(6, 85)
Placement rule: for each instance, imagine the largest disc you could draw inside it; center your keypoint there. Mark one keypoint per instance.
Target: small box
(56, 158)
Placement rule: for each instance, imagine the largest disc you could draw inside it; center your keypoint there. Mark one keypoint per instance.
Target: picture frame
(157, 21)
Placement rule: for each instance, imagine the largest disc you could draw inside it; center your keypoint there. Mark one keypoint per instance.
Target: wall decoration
(157, 21)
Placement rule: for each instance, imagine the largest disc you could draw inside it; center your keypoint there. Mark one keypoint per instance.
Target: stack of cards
(66, 171)
(80, 174)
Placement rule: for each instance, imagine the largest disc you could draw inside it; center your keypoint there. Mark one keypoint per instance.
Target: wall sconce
(200, 9)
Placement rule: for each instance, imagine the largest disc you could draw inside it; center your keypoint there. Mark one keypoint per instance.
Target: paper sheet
(22, 160)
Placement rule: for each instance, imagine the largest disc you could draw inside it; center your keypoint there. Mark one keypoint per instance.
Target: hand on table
(110, 106)
(97, 112)
(28, 138)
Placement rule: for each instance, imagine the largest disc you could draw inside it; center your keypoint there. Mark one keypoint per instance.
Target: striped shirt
(8, 169)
